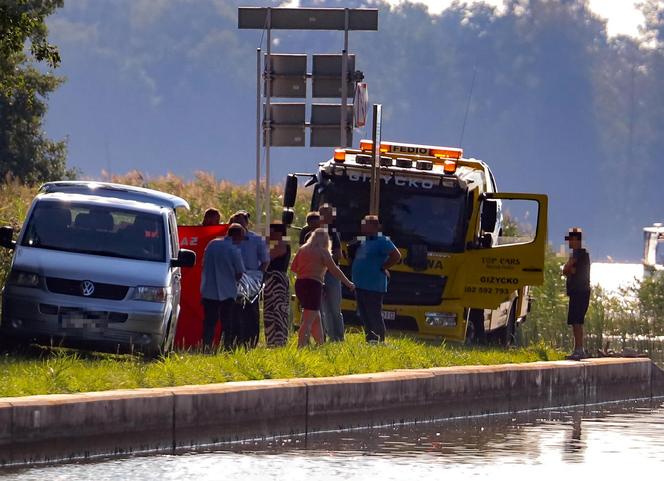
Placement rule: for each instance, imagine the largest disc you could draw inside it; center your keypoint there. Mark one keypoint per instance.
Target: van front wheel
(169, 338)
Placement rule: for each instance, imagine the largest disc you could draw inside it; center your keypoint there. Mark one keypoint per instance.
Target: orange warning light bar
(446, 153)
(367, 146)
(414, 149)
(449, 167)
(339, 155)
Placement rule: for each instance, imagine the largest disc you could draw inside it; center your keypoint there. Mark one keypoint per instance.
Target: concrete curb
(38, 429)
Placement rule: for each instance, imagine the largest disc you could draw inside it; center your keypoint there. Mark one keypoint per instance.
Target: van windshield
(91, 229)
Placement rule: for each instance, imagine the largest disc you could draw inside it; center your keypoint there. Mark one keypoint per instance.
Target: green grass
(67, 371)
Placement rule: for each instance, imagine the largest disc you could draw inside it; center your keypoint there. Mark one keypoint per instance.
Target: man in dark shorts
(577, 271)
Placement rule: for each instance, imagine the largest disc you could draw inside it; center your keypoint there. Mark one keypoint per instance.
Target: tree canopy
(25, 152)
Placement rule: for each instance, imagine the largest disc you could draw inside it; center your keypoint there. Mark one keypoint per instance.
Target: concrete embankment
(38, 429)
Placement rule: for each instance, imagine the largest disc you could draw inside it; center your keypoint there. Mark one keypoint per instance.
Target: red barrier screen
(189, 332)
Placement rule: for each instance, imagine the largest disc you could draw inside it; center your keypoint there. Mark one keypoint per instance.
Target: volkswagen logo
(87, 288)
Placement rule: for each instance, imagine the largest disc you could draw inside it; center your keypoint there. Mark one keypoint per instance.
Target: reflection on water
(618, 440)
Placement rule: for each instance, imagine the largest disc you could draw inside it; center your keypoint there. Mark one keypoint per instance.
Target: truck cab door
(510, 257)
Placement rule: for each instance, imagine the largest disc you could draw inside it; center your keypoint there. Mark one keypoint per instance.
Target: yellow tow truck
(469, 252)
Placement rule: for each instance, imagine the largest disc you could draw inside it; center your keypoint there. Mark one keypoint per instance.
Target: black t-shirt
(580, 280)
(304, 234)
(331, 230)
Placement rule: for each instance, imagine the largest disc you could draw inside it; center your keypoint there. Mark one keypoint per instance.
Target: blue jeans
(370, 310)
(330, 309)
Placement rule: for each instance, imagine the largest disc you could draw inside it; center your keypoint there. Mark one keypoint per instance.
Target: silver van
(96, 265)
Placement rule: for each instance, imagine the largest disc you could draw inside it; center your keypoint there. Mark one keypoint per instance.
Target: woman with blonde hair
(310, 264)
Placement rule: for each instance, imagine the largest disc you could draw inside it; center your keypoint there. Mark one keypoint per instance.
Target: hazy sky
(622, 16)
(169, 85)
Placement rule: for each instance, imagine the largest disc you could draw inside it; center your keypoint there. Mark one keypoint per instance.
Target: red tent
(190, 324)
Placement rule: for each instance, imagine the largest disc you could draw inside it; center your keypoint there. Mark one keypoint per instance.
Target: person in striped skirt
(276, 293)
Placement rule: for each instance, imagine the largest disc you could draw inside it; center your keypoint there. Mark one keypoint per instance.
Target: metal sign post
(374, 199)
(257, 220)
(268, 125)
(285, 77)
(344, 83)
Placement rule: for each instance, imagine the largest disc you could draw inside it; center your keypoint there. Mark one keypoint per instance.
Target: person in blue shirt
(256, 258)
(222, 268)
(375, 255)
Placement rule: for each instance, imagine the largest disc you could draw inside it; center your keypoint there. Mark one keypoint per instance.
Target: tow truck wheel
(10, 344)
(475, 334)
(507, 334)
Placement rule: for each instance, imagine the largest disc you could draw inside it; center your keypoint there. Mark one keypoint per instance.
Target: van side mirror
(287, 217)
(6, 237)
(489, 215)
(290, 191)
(186, 258)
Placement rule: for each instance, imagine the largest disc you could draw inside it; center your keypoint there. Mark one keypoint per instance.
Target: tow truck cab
(466, 253)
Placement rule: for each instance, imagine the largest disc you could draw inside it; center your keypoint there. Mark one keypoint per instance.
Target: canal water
(609, 441)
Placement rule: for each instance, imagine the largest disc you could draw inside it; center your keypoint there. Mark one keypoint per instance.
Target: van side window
(173, 231)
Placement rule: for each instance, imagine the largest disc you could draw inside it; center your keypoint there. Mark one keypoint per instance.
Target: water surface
(599, 442)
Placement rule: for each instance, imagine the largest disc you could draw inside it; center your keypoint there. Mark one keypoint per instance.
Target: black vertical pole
(374, 202)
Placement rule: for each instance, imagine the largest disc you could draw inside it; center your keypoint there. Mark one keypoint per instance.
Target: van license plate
(79, 319)
(389, 315)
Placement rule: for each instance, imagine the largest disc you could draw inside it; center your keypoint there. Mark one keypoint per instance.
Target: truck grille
(73, 288)
(409, 289)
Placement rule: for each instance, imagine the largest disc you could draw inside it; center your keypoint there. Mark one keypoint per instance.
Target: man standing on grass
(256, 258)
(331, 317)
(375, 255)
(577, 271)
(222, 269)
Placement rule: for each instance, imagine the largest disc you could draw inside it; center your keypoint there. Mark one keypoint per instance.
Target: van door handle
(531, 269)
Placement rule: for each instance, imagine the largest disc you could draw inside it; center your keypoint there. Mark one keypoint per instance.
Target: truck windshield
(408, 216)
(89, 229)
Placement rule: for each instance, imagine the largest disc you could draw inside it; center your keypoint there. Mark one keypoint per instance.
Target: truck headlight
(23, 279)
(152, 294)
(441, 319)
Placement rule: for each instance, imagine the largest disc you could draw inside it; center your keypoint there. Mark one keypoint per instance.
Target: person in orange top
(310, 264)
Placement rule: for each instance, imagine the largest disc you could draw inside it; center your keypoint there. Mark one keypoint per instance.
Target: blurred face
(574, 243)
(314, 223)
(237, 235)
(370, 227)
(275, 235)
(327, 215)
